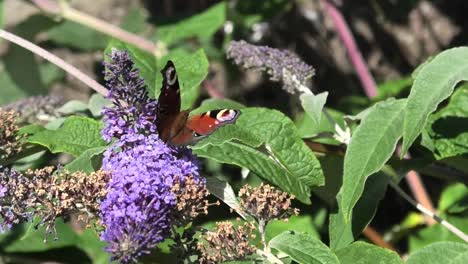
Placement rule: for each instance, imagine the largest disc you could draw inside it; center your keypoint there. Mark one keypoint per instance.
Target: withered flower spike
(227, 243)
(10, 142)
(266, 203)
(48, 195)
(191, 199)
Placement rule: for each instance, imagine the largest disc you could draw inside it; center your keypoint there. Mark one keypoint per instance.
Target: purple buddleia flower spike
(134, 110)
(137, 211)
(280, 65)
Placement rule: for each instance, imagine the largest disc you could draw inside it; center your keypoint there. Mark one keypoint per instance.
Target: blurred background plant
(392, 38)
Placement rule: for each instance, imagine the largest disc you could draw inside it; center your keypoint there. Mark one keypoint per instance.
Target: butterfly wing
(176, 127)
(169, 118)
(200, 126)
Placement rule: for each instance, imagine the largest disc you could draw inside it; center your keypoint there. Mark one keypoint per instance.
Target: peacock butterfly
(176, 127)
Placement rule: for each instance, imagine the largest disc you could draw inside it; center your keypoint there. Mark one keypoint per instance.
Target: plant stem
(64, 10)
(88, 81)
(376, 238)
(459, 233)
(262, 229)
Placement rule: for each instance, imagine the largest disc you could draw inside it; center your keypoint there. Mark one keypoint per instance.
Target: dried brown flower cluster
(227, 243)
(266, 203)
(191, 199)
(48, 195)
(10, 141)
(190, 194)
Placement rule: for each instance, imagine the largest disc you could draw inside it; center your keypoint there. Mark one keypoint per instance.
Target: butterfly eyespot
(171, 76)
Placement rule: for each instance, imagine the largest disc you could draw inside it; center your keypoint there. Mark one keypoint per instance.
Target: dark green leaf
(202, 25)
(446, 133)
(393, 88)
(372, 144)
(26, 239)
(75, 136)
(88, 161)
(364, 253)
(342, 232)
(434, 82)
(19, 61)
(441, 252)
(303, 248)
(302, 223)
(78, 36)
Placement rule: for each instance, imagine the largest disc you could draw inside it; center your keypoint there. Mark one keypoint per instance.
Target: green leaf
(332, 167)
(372, 144)
(307, 129)
(75, 35)
(144, 62)
(446, 132)
(454, 197)
(303, 248)
(202, 25)
(434, 82)
(72, 107)
(87, 161)
(96, 104)
(31, 129)
(192, 69)
(27, 239)
(267, 143)
(364, 253)
(302, 223)
(342, 232)
(313, 105)
(19, 60)
(393, 88)
(441, 252)
(135, 20)
(75, 136)
(90, 243)
(436, 233)
(212, 104)
(223, 191)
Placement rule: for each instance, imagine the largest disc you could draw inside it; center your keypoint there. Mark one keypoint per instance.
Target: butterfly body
(178, 128)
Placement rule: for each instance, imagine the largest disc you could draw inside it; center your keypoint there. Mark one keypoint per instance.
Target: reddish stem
(368, 83)
(376, 238)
